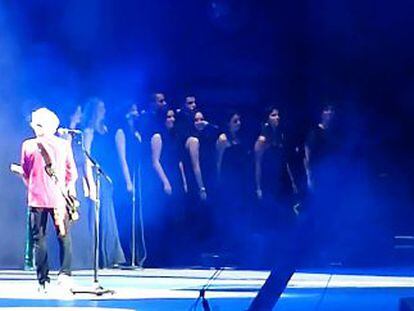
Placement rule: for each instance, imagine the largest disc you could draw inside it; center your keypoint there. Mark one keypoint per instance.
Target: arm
(25, 164)
(156, 148)
(71, 172)
(183, 177)
(193, 146)
(259, 149)
(121, 148)
(221, 146)
(292, 179)
(75, 118)
(306, 164)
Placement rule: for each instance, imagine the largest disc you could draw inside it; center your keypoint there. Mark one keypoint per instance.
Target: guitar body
(72, 206)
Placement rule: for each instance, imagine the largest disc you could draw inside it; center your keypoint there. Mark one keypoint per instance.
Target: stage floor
(178, 289)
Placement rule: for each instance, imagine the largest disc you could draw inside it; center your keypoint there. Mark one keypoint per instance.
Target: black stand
(96, 289)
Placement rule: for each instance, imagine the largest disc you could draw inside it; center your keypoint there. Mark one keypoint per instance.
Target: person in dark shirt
(322, 164)
(200, 170)
(200, 155)
(272, 172)
(166, 157)
(233, 163)
(275, 186)
(184, 119)
(163, 226)
(319, 145)
(151, 120)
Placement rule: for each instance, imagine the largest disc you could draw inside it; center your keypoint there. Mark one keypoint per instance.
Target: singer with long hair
(164, 236)
(100, 143)
(200, 167)
(275, 185)
(233, 163)
(128, 181)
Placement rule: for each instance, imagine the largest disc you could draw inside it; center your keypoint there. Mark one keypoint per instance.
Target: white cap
(45, 119)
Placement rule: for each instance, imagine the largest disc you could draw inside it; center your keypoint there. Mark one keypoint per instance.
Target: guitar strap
(48, 163)
(59, 219)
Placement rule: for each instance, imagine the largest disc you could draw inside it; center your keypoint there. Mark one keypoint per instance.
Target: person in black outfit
(201, 165)
(274, 181)
(166, 158)
(200, 170)
(321, 164)
(232, 172)
(319, 145)
(151, 120)
(185, 118)
(127, 184)
(99, 141)
(166, 162)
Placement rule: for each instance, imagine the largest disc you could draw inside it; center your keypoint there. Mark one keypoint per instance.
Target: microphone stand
(136, 179)
(142, 235)
(133, 266)
(136, 187)
(97, 289)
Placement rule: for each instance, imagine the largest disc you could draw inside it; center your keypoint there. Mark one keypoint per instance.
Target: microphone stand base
(96, 290)
(131, 267)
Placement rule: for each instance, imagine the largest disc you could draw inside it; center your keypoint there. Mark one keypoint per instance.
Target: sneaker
(65, 281)
(42, 288)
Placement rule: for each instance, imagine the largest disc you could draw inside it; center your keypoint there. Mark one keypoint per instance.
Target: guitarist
(44, 195)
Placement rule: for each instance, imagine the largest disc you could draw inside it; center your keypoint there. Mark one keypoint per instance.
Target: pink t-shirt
(42, 190)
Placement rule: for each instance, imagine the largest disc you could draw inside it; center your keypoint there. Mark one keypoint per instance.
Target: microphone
(64, 131)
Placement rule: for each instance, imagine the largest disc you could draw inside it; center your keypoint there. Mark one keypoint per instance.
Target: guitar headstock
(16, 168)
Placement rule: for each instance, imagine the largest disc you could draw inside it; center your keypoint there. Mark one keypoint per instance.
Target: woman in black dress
(100, 143)
(128, 185)
(274, 180)
(232, 155)
(200, 167)
(232, 170)
(201, 164)
(274, 190)
(166, 210)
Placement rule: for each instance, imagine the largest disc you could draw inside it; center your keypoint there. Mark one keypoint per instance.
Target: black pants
(38, 223)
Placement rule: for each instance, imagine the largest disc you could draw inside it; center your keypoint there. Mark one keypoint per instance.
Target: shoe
(42, 288)
(28, 268)
(65, 281)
